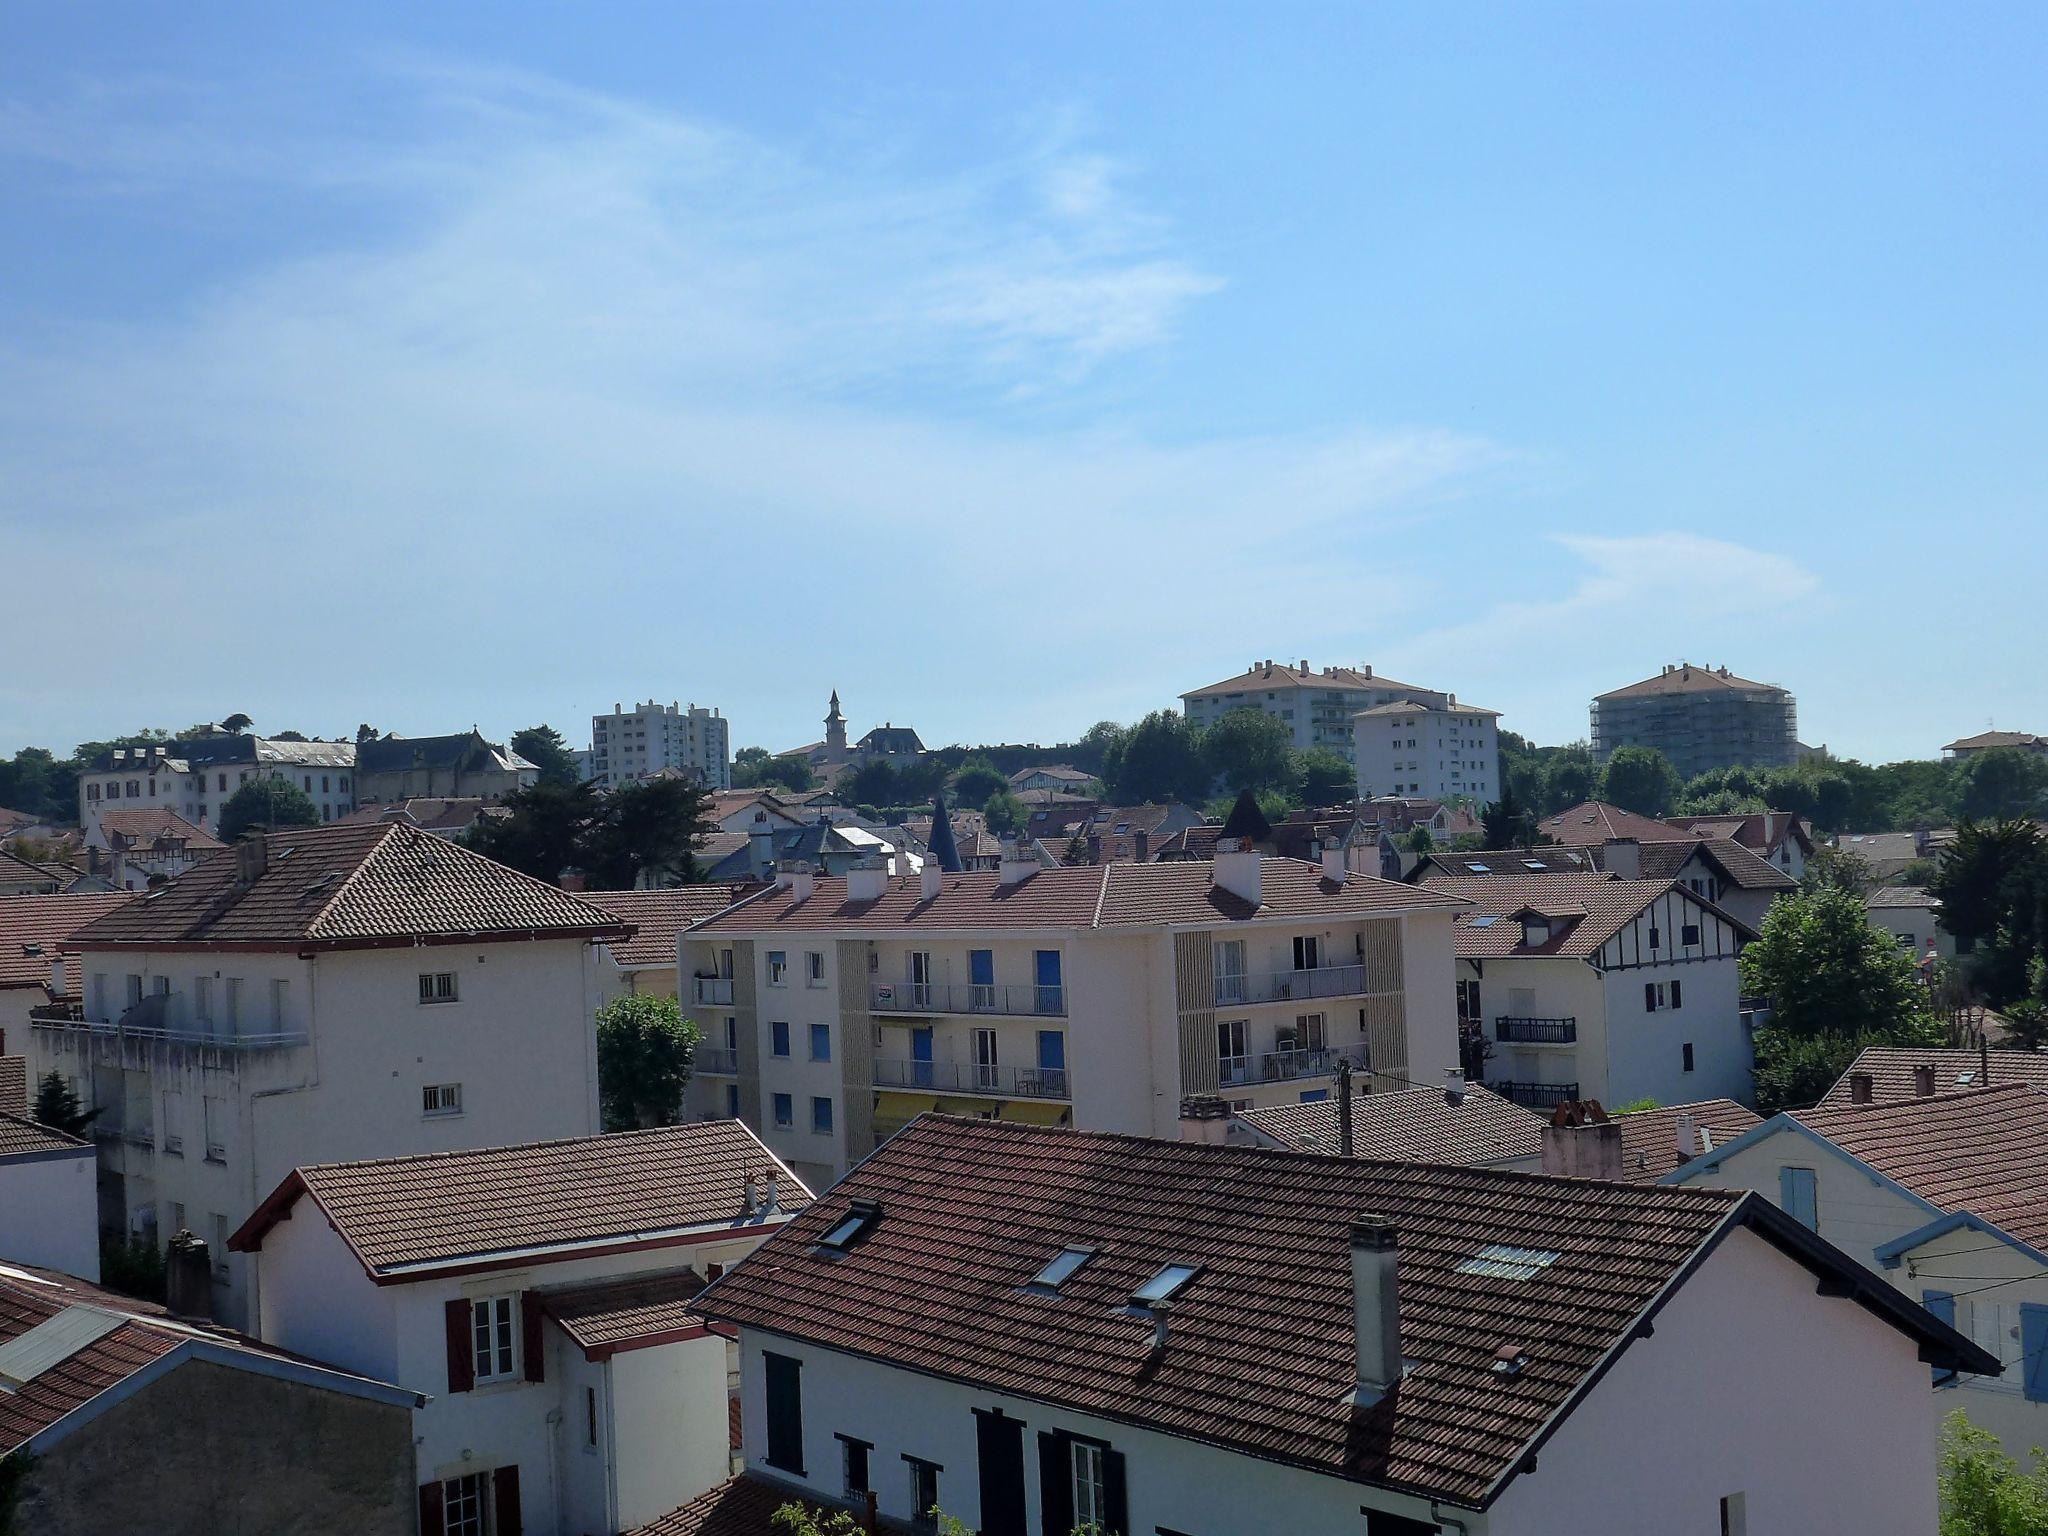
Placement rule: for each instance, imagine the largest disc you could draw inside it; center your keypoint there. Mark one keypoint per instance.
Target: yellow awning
(974, 1107)
(893, 1111)
(1033, 1112)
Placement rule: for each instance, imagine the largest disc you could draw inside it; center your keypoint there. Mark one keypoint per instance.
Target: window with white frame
(494, 1338)
(778, 968)
(215, 1117)
(814, 968)
(174, 1123)
(437, 986)
(441, 1099)
(466, 1505)
(202, 999)
(1091, 1501)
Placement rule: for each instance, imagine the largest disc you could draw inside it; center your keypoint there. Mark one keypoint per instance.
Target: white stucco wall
(1968, 1265)
(49, 1211)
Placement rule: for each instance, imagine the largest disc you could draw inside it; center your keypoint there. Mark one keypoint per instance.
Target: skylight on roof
(1534, 864)
(1061, 1268)
(1164, 1285)
(51, 1342)
(1484, 869)
(1485, 922)
(1504, 1261)
(850, 1228)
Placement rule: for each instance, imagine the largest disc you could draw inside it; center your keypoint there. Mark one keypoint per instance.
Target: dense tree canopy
(976, 779)
(642, 834)
(1639, 779)
(1158, 759)
(1993, 886)
(546, 748)
(645, 1052)
(265, 803)
(1249, 749)
(1322, 777)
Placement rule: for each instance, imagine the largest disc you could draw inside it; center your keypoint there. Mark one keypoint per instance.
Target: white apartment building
(1447, 752)
(195, 777)
(627, 745)
(539, 1299)
(1591, 987)
(321, 994)
(1942, 1195)
(1316, 707)
(1136, 1335)
(835, 1009)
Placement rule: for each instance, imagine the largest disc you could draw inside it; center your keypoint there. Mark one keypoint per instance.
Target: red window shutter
(505, 1502)
(461, 1351)
(431, 1522)
(530, 1343)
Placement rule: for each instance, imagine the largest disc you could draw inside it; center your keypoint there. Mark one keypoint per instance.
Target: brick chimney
(1204, 1118)
(1862, 1088)
(1237, 868)
(1376, 1306)
(1923, 1080)
(1580, 1142)
(188, 1276)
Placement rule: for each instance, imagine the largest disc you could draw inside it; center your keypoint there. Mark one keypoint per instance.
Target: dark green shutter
(785, 1412)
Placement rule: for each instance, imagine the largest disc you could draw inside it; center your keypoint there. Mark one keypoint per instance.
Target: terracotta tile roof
(745, 1506)
(13, 821)
(401, 1214)
(1983, 739)
(1649, 1137)
(1585, 911)
(1743, 868)
(1983, 1150)
(1762, 831)
(1908, 897)
(1690, 679)
(13, 1085)
(1594, 821)
(147, 826)
(1411, 1125)
(1279, 675)
(658, 916)
(1891, 1071)
(1260, 1351)
(601, 1319)
(349, 884)
(437, 813)
(1101, 896)
(33, 927)
(19, 1135)
(1479, 864)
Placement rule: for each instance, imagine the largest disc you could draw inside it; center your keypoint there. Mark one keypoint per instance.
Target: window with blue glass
(981, 976)
(821, 1116)
(732, 1101)
(778, 1036)
(785, 1110)
(821, 1042)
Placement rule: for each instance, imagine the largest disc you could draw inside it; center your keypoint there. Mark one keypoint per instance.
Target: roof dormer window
(1535, 931)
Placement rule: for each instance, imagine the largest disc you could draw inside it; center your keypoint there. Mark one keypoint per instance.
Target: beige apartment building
(1316, 707)
(835, 1010)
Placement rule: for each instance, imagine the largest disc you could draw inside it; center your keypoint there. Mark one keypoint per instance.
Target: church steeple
(835, 725)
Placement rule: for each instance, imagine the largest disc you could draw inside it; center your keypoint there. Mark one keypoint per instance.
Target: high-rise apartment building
(1413, 750)
(1316, 707)
(1702, 718)
(639, 743)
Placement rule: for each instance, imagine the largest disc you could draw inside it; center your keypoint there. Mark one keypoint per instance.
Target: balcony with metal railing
(1022, 1001)
(985, 1080)
(711, 991)
(1286, 1066)
(1524, 1030)
(1537, 1095)
(715, 1061)
(150, 1023)
(1240, 987)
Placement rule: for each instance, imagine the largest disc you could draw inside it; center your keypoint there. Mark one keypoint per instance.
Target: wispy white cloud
(604, 391)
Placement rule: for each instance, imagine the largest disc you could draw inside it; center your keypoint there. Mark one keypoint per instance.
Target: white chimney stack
(1333, 861)
(1624, 858)
(1016, 865)
(868, 879)
(928, 878)
(1376, 1306)
(796, 876)
(1580, 1142)
(1204, 1118)
(1687, 1136)
(57, 977)
(1237, 869)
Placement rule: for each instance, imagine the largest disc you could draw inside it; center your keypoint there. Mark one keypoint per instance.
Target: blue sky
(1013, 369)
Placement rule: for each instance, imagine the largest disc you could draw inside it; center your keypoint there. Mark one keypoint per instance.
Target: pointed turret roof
(1246, 820)
(943, 848)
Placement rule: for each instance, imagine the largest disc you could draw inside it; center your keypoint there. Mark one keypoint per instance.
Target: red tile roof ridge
(519, 1146)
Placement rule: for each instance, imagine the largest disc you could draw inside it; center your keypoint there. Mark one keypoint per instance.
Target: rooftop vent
(1509, 1360)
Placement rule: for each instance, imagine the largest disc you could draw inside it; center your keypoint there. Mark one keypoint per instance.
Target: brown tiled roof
(745, 1506)
(1585, 911)
(1891, 1071)
(1096, 896)
(33, 927)
(1985, 739)
(1744, 869)
(350, 884)
(1595, 821)
(1759, 830)
(1983, 1150)
(19, 1135)
(146, 826)
(1260, 1352)
(602, 1319)
(400, 1214)
(1411, 1125)
(1649, 1137)
(1690, 679)
(658, 916)
(13, 820)
(1481, 863)
(1279, 675)
(436, 813)
(13, 1085)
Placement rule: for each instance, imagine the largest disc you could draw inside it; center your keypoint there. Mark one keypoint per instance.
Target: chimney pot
(1685, 1132)
(1862, 1087)
(188, 1276)
(1204, 1118)
(1454, 1086)
(1580, 1142)
(1376, 1305)
(1923, 1080)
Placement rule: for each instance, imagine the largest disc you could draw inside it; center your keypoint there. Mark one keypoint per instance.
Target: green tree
(2000, 784)
(1322, 777)
(645, 834)
(1568, 779)
(872, 783)
(1006, 813)
(1419, 840)
(976, 780)
(1092, 752)
(1249, 749)
(237, 723)
(1639, 779)
(547, 749)
(1505, 824)
(58, 1107)
(263, 805)
(543, 831)
(1838, 867)
(1158, 759)
(645, 1052)
(753, 768)
(1985, 1492)
(1828, 970)
(1793, 1071)
(1993, 886)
